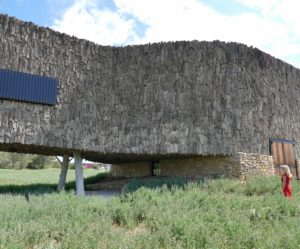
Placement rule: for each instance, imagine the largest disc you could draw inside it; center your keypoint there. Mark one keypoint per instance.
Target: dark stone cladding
(153, 101)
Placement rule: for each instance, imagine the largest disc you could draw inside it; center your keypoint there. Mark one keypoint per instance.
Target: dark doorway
(155, 169)
(283, 152)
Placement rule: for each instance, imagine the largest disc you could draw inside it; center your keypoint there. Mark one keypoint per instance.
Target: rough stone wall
(156, 101)
(137, 169)
(255, 165)
(236, 166)
(198, 166)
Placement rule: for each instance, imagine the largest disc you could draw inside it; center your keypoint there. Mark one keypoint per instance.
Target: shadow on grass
(32, 189)
(43, 188)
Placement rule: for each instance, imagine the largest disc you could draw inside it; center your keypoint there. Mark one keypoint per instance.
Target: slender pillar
(79, 174)
(63, 173)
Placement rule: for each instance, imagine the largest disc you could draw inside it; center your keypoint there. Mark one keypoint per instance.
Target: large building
(175, 108)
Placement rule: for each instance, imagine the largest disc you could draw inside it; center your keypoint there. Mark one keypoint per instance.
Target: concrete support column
(79, 174)
(63, 173)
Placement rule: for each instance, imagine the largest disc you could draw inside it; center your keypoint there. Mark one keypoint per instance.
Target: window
(155, 169)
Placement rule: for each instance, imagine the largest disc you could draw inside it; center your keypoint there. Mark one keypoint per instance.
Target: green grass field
(45, 176)
(209, 214)
(41, 181)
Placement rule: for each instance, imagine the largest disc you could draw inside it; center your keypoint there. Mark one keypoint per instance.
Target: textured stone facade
(138, 169)
(251, 164)
(198, 166)
(149, 102)
(236, 166)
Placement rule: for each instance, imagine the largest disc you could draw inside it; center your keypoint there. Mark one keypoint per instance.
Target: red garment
(287, 188)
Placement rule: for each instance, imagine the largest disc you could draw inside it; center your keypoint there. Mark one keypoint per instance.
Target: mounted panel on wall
(284, 152)
(27, 87)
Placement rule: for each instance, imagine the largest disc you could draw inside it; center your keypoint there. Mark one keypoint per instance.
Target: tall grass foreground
(219, 213)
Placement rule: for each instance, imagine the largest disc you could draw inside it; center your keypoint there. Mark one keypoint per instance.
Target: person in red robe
(286, 181)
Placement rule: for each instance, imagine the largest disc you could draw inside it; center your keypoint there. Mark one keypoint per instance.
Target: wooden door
(283, 152)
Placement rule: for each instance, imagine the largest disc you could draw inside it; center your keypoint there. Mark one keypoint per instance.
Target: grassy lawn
(44, 176)
(42, 181)
(209, 214)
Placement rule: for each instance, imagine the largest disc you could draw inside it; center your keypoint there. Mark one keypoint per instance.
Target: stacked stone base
(235, 166)
(137, 169)
(251, 164)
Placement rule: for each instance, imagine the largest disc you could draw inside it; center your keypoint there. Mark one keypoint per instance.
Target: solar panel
(27, 87)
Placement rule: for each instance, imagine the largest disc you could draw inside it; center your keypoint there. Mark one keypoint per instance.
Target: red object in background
(88, 165)
(287, 189)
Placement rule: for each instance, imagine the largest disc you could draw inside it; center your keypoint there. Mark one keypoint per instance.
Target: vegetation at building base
(215, 213)
(153, 183)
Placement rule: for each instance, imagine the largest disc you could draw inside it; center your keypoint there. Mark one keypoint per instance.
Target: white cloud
(287, 13)
(84, 20)
(263, 6)
(190, 19)
(273, 26)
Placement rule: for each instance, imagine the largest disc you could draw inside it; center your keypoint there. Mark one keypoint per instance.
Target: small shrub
(71, 165)
(262, 185)
(154, 183)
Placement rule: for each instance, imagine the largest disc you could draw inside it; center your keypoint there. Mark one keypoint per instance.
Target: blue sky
(271, 25)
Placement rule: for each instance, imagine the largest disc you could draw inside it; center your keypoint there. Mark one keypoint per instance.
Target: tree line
(26, 161)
